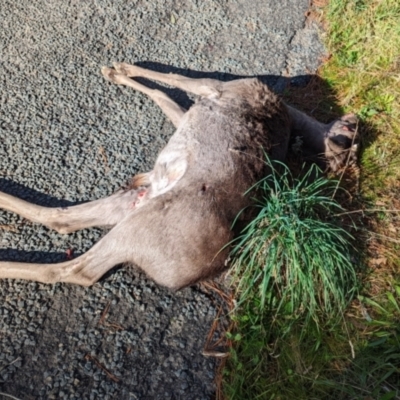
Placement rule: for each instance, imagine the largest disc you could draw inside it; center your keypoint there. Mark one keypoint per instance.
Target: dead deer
(174, 222)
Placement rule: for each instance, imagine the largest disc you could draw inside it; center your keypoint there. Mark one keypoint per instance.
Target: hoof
(341, 142)
(121, 68)
(109, 74)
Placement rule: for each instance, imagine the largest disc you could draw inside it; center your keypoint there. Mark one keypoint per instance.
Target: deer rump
(175, 221)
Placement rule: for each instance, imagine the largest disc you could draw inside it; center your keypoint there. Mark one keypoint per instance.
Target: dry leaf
(378, 261)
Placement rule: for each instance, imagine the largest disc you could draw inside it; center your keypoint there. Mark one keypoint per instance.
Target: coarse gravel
(67, 136)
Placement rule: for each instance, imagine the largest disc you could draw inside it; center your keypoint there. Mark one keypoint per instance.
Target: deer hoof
(341, 143)
(122, 68)
(109, 74)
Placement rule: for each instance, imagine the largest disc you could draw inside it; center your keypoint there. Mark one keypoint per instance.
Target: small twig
(115, 326)
(102, 367)
(208, 347)
(353, 354)
(9, 395)
(366, 211)
(103, 315)
(211, 285)
(102, 320)
(11, 363)
(215, 354)
(384, 236)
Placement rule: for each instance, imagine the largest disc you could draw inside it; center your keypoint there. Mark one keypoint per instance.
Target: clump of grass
(294, 275)
(294, 256)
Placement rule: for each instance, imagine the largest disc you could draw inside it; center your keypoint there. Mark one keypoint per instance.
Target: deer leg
(85, 270)
(172, 110)
(341, 142)
(200, 87)
(334, 144)
(104, 212)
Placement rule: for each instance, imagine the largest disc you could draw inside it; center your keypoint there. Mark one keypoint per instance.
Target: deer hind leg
(202, 87)
(104, 212)
(85, 270)
(172, 110)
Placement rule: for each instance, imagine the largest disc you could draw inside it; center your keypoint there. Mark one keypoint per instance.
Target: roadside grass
(293, 257)
(364, 39)
(294, 334)
(294, 274)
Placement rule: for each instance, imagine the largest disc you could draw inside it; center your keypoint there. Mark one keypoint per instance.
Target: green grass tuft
(294, 257)
(294, 274)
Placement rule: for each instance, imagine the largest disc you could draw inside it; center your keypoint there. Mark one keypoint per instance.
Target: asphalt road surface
(67, 136)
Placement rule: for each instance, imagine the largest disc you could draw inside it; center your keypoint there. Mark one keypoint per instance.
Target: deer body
(175, 221)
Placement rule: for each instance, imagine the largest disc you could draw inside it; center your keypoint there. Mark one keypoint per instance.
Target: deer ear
(175, 171)
(167, 175)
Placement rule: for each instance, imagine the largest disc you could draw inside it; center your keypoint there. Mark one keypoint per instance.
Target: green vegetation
(300, 329)
(294, 276)
(291, 257)
(364, 39)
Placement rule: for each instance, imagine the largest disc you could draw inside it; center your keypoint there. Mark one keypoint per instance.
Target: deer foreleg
(171, 109)
(201, 87)
(334, 144)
